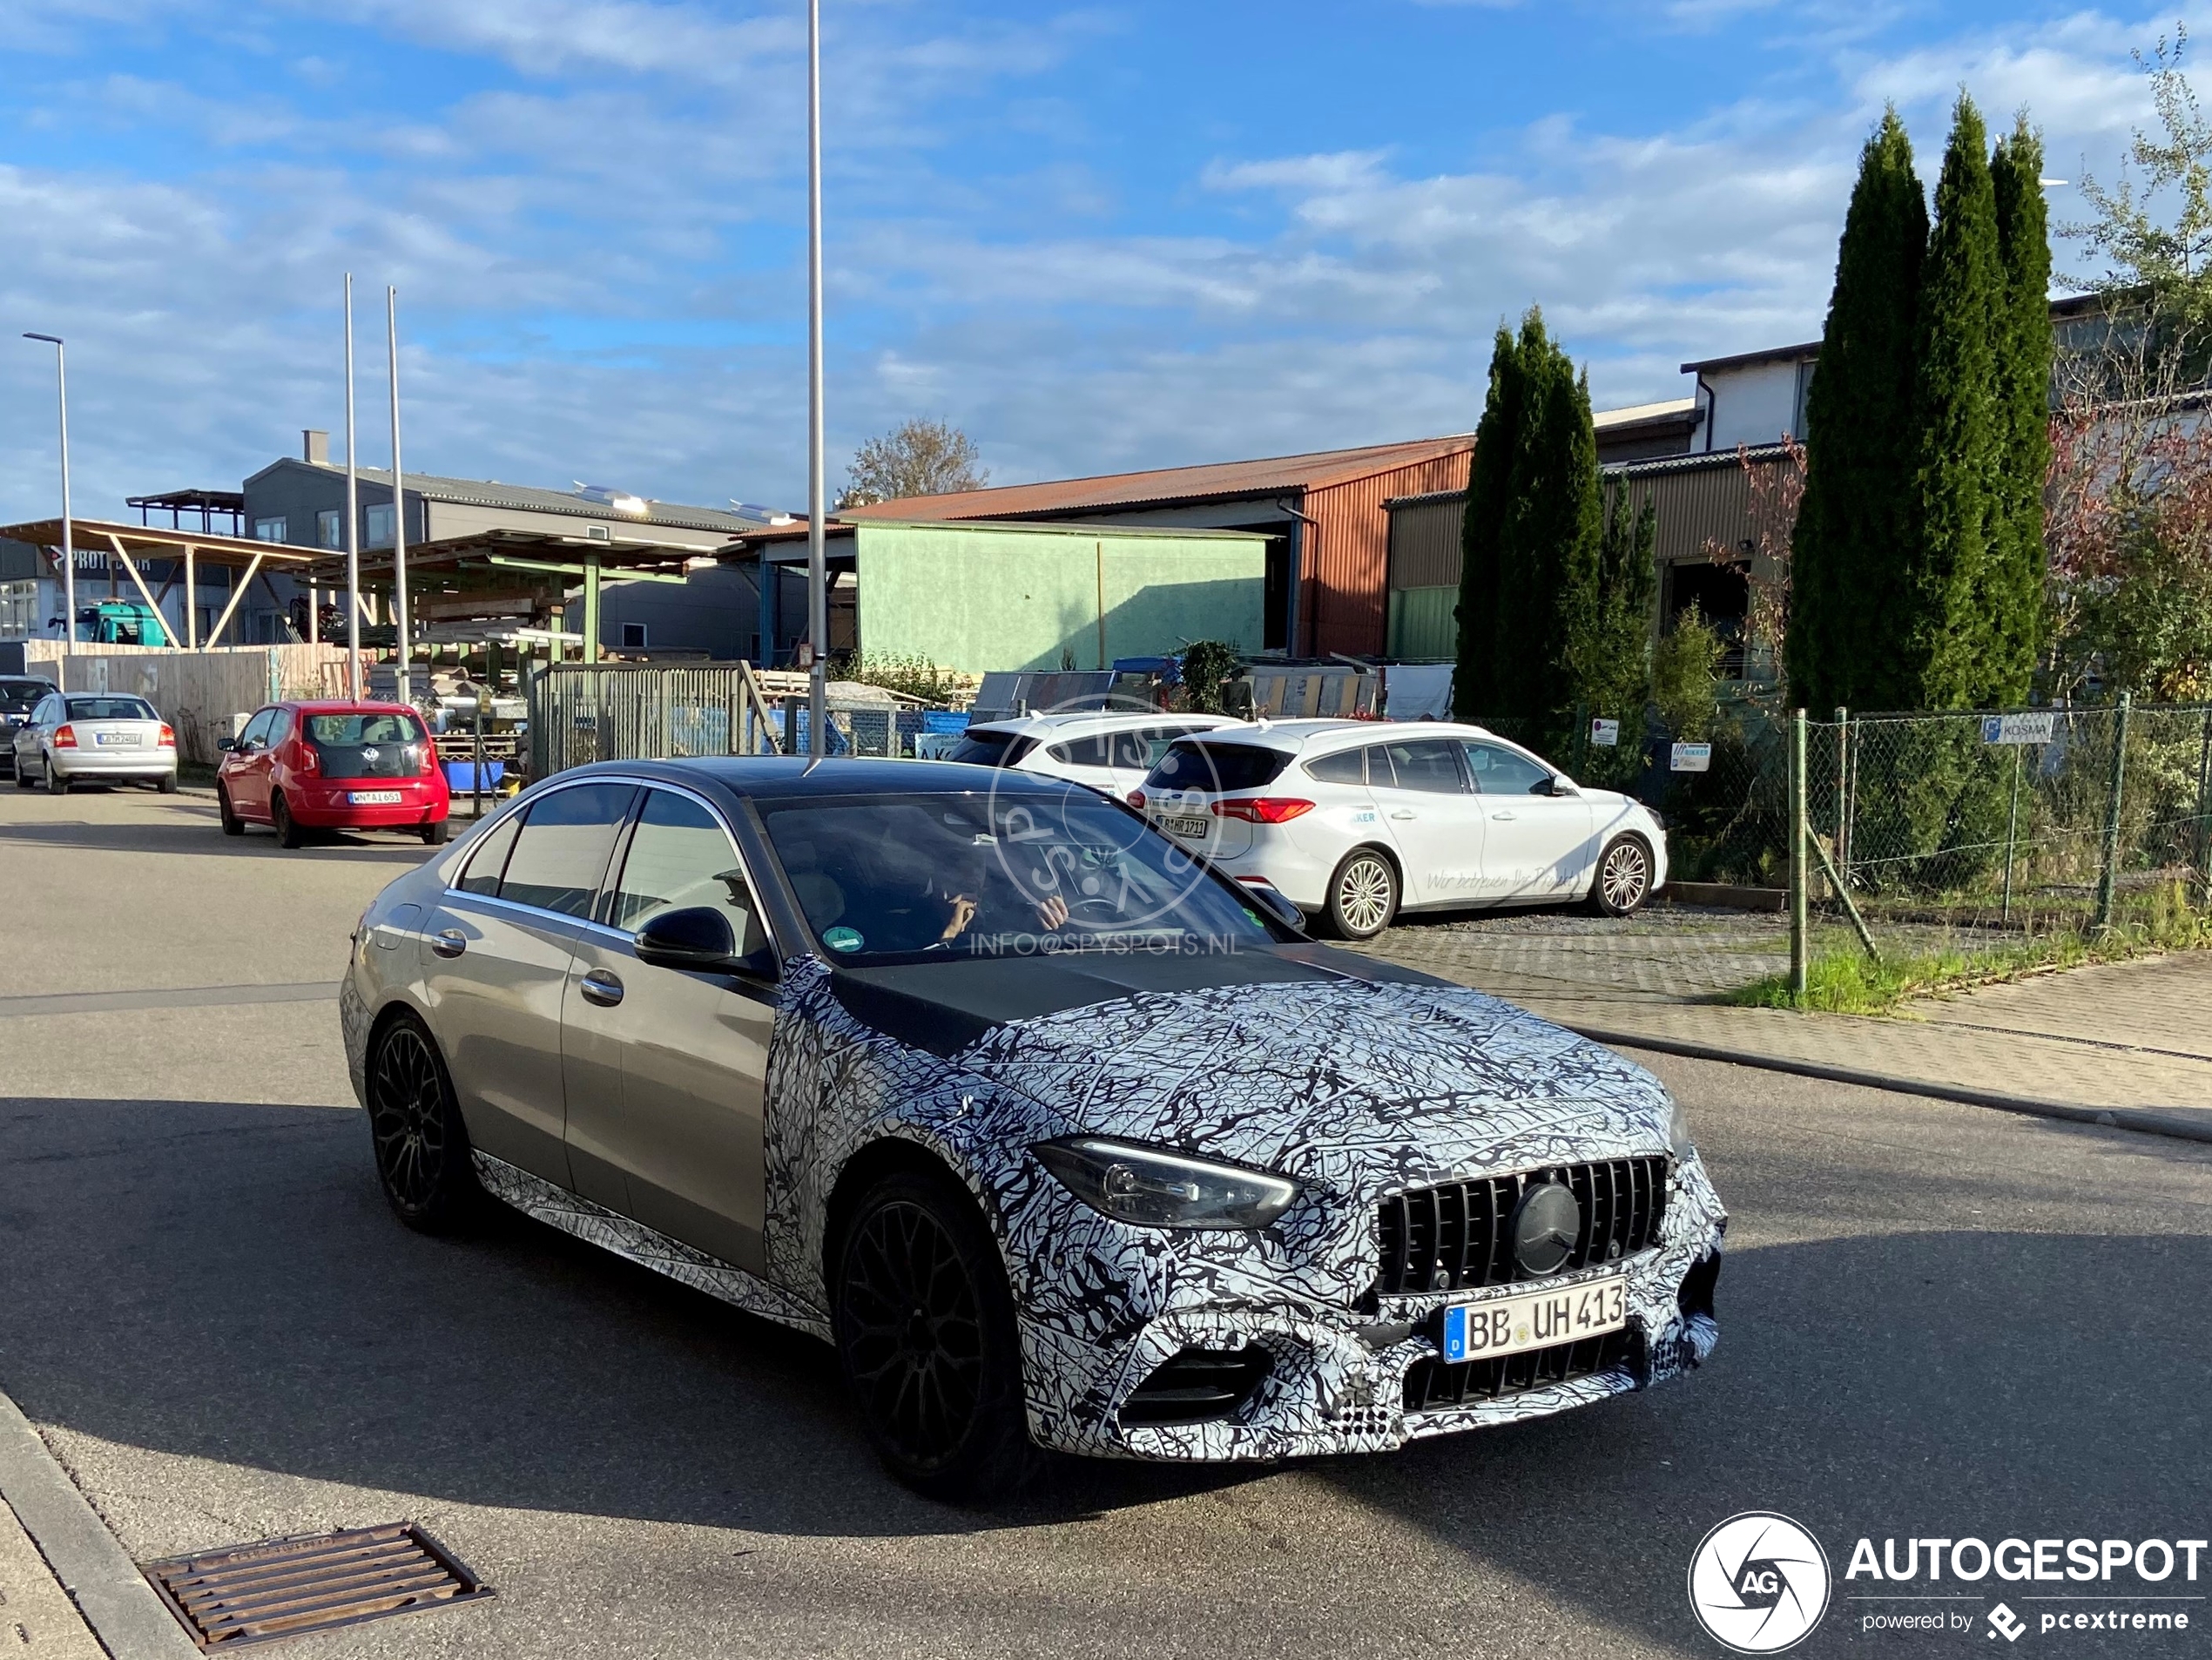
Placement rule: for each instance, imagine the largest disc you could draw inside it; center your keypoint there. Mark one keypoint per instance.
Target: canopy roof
(159, 542)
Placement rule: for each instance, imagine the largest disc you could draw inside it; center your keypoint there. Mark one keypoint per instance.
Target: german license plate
(1535, 1320)
(1193, 829)
(373, 798)
(122, 739)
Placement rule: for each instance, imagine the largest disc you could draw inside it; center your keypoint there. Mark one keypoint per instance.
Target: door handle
(1403, 813)
(1505, 815)
(600, 988)
(449, 942)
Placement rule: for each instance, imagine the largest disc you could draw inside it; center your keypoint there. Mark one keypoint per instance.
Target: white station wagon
(1353, 821)
(1111, 752)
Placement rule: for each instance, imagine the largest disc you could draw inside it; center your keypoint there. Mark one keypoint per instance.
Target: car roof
(1094, 721)
(1294, 737)
(765, 777)
(346, 706)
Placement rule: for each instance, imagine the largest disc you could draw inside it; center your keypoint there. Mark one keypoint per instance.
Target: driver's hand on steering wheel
(1052, 912)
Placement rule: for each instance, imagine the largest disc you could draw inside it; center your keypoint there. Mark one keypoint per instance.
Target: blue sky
(1098, 237)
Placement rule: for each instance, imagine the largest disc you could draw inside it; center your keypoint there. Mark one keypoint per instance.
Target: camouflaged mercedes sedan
(1064, 1139)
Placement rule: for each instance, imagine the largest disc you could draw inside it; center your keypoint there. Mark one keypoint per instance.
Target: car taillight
(1265, 809)
(304, 758)
(1137, 799)
(168, 739)
(65, 738)
(430, 757)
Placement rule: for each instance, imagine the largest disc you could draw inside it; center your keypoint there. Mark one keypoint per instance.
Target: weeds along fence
(584, 712)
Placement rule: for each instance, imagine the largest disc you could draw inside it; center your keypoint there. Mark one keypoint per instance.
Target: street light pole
(398, 497)
(353, 521)
(816, 557)
(69, 542)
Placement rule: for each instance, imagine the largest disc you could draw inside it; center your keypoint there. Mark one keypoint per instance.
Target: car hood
(1323, 1065)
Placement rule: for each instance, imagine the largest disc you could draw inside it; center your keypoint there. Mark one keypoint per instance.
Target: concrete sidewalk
(2128, 1041)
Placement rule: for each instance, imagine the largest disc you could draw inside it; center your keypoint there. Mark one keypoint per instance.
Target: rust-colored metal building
(1328, 529)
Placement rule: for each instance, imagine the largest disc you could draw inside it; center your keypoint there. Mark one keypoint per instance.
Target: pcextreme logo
(1758, 1583)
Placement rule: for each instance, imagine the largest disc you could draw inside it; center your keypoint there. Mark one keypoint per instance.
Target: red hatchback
(336, 766)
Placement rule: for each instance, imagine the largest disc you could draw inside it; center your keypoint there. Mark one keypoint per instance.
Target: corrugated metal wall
(1425, 544)
(1346, 561)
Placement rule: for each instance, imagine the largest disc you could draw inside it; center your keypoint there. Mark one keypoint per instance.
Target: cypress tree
(1853, 528)
(1959, 496)
(1530, 537)
(1489, 475)
(2013, 595)
(1613, 657)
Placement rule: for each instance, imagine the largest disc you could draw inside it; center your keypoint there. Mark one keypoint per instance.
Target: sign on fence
(1606, 734)
(2018, 729)
(935, 745)
(1691, 758)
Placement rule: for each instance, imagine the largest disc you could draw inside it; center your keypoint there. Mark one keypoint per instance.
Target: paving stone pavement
(2132, 1039)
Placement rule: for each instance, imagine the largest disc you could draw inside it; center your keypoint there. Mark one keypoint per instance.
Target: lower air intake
(1198, 1386)
(1434, 1386)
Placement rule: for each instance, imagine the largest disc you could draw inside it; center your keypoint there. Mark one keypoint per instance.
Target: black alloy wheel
(925, 1330)
(1624, 878)
(232, 825)
(422, 1145)
(288, 833)
(1363, 896)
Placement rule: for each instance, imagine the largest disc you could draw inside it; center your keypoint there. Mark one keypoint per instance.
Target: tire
(1622, 880)
(416, 1133)
(56, 784)
(1363, 896)
(288, 833)
(22, 778)
(926, 1333)
(232, 825)
(433, 835)
(166, 784)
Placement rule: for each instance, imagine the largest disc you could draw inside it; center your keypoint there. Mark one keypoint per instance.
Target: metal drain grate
(312, 1581)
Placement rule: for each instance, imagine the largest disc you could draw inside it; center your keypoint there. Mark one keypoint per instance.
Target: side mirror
(226, 743)
(1276, 903)
(699, 939)
(1559, 784)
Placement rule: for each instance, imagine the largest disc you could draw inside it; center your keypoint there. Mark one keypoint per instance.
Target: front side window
(280, 727)
(257, 730)
(560, 854)
(1427, 765)
(681, 857)
(367, 745)
(111, 709)
(1499, 771)
(931, 877)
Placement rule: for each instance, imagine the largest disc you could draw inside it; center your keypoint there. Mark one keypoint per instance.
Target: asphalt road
(1937, 1321)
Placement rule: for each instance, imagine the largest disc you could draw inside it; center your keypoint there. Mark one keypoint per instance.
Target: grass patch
(1842, 980)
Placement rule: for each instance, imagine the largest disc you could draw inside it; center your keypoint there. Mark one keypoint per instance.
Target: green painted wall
(1423, 623)
(975, 598)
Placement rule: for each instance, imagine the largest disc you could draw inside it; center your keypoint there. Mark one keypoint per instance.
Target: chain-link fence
(580, 713)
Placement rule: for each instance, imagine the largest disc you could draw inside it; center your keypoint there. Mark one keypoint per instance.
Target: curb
(2151, 1121)
(109, 1591)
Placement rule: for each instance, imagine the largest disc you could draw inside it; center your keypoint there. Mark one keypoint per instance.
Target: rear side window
(489, 862)
(1080, 752)
(991, 748)
(1218, 768)
(1348, 768)
(1427, 765)
(111, 709)
(560, 854)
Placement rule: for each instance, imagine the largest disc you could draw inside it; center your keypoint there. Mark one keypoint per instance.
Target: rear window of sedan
(991, 748)
(1218, 768)
(111, 709)
(15, 695)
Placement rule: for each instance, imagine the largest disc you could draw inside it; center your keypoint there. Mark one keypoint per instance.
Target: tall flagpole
(353, 521)
(817, 557)
(398, 495)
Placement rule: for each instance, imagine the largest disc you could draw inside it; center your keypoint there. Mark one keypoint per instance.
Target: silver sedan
(95, 738)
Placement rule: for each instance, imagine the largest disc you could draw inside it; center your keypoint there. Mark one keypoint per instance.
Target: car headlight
(1155, 1188)
(1678, 1132)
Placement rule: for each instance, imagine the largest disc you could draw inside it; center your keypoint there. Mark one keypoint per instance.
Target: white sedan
(1352, 821)
(95, 738)
(1111, 752)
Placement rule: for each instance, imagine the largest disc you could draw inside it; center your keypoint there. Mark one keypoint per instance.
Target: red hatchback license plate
(374, 797)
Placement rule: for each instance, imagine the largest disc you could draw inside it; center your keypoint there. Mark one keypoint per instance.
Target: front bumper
(1337, 1380)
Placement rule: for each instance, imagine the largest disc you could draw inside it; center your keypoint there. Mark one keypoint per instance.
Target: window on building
(330, 530)
(379, 522)
(268, 529)
(633, 636)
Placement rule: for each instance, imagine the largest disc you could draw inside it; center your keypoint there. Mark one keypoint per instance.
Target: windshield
(920, 878)
(991, 748)
(1216, 768)
(367, 745)
(110, 709)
